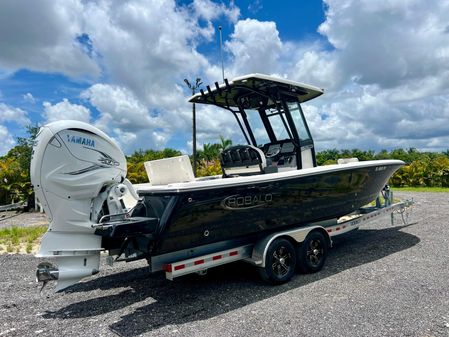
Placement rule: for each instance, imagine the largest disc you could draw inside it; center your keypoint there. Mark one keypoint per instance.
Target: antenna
(221, 52)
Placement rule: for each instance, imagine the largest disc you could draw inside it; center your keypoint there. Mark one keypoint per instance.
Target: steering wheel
(274, 154)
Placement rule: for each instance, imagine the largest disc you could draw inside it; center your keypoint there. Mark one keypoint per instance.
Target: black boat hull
(194, 218)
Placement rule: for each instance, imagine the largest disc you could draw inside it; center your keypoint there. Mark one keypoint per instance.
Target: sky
(120, 65)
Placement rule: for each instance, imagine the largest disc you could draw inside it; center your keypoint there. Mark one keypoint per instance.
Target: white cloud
(146, 46)
(149, 47)
(389, 42)
(142, 139)
(316, 67)
(255, 47)
(42, 36)
(65, 110)
(142, 44)
(213, 122)
(255, 6)
(209, 10)
(124, 137)
(28, 97)
(387, 75)
(7, 140)
(383, 66)
(11, 114)
(370, 119)
(159, 139)
(119, 107)
(127, 119)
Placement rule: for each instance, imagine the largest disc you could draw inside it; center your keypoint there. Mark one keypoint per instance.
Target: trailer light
(216, 257)
(167, 268)
(198, 262)
(181, 266)
(233, 253)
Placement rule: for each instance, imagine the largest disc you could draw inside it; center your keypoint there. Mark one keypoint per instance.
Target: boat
(271, 183)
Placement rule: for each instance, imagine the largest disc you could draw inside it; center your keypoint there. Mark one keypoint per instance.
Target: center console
(281, 156)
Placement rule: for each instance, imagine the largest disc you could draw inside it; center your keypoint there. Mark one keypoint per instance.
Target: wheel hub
(315, 252)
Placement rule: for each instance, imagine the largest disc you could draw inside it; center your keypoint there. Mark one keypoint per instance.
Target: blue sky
(120, 66)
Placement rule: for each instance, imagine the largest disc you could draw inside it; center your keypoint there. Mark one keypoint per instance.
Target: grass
(20, 239)
(422, 189)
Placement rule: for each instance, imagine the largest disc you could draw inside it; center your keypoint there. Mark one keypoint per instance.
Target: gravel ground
(378, 281)
(21, 219)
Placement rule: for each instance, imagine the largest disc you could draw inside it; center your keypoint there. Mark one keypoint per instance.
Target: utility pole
(194, 88)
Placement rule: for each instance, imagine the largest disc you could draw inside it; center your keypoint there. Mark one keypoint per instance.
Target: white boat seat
(169, 170)
(342, 161)
(242, 160)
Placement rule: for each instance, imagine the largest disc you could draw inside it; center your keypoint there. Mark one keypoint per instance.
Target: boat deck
(218, 181)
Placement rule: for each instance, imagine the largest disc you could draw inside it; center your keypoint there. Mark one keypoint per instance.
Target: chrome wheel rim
(282, 259)
(315, 252)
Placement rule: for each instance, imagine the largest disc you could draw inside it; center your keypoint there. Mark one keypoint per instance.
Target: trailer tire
(280, 262)
(312, 253)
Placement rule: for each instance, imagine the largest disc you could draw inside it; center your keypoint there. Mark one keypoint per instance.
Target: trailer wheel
(312, 253)
(280, 262)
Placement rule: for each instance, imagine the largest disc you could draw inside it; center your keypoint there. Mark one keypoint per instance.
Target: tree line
(426, 169)
(207, 160)
(422, 169)
(429, 169)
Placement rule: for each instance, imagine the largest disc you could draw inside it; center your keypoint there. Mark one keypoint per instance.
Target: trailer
(278, 255)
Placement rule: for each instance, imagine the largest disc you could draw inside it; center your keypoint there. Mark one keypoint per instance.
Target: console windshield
(269, 124)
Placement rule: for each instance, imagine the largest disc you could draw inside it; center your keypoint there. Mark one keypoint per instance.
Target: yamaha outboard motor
(78, 174)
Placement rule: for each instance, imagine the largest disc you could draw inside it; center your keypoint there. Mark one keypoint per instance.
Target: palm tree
(211, 151)
(224, 143)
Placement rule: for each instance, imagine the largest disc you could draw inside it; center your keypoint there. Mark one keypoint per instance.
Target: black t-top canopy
(240, 91)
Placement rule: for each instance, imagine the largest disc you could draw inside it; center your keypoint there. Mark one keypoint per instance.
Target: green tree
(136, 169)
(15, 169)
(327, 157)
(209, 152)
(210, 169)
(437, 172)
(362, 155)
(383, 154)
(224, 143)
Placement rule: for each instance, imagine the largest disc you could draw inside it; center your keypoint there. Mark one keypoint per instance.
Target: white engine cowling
(73, 168)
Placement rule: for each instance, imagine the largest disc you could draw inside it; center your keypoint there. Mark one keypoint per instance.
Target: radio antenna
(221, 52)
